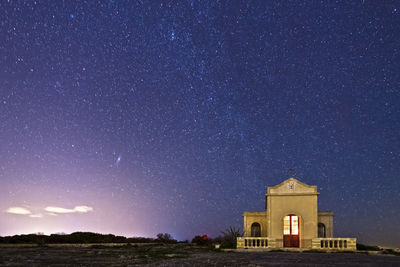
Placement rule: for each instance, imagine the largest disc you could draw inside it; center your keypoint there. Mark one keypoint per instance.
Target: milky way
(140, 117)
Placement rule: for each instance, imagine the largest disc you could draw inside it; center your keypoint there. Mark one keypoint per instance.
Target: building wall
(251, 217)
(326, 218)
(303, 206)
(293, 197)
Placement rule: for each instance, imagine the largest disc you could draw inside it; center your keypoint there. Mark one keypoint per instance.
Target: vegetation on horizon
(165, 238)
(226, 240)
(74, 238)
(230, 236)
(390, 251)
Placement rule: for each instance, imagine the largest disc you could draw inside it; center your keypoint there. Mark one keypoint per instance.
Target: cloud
(38, 215)
(58, 210)
(83, 209)
(79, 209)
(18, 210)
(50, 210)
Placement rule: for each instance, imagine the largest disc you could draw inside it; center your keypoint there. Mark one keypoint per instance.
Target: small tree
(230, 236)
(165, 238)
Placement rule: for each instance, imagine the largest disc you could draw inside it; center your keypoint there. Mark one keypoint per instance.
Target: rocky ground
(178, 255)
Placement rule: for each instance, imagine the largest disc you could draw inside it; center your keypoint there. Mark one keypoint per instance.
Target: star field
(140, 117)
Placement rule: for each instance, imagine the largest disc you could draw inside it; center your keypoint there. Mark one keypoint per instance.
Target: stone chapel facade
(291, 220)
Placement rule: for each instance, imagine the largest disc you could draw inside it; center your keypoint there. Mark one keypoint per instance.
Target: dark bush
(165, 238)
(202, 240)
(366, 247)
(229, 237)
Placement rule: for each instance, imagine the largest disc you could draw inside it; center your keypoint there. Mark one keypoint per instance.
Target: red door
(291, 231)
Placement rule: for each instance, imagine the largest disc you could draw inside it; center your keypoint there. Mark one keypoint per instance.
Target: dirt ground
(179, 255)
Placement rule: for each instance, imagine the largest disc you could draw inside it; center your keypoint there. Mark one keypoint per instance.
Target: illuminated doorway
(291, 231)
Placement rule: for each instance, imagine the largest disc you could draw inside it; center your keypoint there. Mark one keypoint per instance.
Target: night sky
(141, 117)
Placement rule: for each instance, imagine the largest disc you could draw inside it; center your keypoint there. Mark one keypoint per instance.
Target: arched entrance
(321, 230)
(255, 230)
(291, 231)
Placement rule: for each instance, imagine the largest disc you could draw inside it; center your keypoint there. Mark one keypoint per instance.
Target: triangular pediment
(292, 186)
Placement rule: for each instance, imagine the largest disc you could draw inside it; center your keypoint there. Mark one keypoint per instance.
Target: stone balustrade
(334, 243)
(317, 243)
(255, 242)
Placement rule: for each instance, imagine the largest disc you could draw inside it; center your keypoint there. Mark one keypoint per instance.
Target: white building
(291, 220)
